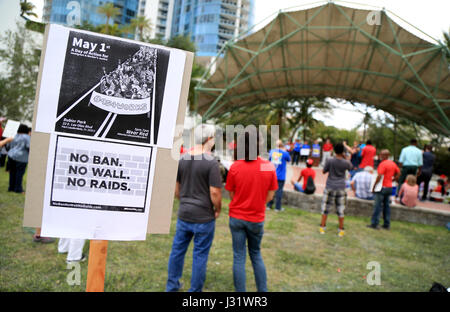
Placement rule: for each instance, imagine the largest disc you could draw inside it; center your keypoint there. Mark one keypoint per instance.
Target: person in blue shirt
(296, 152)
(18, 158)
(279, 157)
(410, 162)
(305, 151)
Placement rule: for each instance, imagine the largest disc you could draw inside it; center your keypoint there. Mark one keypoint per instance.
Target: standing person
(367, 155)
(409, 192)
(427, 170)
(411, 162)
(327, 151)
(389, 171)
(279, 157)
(304, 174)
(73, 247)
(296, 152)
(305, 151)
(18, 158)
(361, 146)
(315, 153)
(334, 193)
(361, 183)
(251, 182)
(199, 191)
(354, 159)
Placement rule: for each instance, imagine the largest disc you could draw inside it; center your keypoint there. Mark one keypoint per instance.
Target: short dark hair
(369, 142)
(413, 141)
(23, 129)
(247, 139)
(339, 148)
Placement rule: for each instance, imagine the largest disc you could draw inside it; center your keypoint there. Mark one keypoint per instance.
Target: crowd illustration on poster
(108, 89)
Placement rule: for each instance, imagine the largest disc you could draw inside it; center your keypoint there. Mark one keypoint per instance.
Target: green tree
(110, 12)
(142, 24)
(26, 8)
(447, 43)
(20, 57)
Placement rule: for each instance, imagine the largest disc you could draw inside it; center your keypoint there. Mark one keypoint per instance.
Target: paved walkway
(294, 172)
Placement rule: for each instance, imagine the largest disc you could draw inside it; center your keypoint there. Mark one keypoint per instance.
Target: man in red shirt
(368, 154)
(327, 151)
(305, 173)
(389, 171)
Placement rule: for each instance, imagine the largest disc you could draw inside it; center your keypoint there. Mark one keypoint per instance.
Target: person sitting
(306, 173)
(438, 192)
(409, 192)
(361, 183)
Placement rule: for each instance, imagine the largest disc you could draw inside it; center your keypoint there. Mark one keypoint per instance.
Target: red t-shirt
(307, 172)
(250, 181)
(367, 154)
(327, 147)
(388, 168)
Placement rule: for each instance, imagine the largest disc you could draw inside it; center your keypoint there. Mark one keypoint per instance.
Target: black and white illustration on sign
(111, 88)
(91, 174)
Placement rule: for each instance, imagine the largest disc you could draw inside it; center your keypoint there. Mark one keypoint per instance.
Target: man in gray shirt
(334, 193)
(199, 190)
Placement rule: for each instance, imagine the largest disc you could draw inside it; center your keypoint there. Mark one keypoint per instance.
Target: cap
(310, 162)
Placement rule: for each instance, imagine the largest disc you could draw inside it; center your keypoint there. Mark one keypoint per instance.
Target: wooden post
(96, 266)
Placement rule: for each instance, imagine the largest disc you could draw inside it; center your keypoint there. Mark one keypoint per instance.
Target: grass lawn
(296, 256)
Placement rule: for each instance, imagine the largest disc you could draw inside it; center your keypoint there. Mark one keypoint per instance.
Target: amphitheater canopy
(332, 50)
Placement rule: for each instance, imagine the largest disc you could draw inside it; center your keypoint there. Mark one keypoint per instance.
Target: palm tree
(142, 24)
(447, 43)
(112, 30)
(26, 8)
(110, 11)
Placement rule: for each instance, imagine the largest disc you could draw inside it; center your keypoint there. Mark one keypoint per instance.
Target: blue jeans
(382, 201)
(278, 196)
(242, 231)
(203, 234)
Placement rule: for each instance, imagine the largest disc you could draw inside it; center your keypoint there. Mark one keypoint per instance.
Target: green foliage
(320, 130)
(20, 56)
(26, 8)
(35, 26)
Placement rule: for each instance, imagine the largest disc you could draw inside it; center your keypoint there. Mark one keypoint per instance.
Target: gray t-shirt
(336, 177)
(195, 177)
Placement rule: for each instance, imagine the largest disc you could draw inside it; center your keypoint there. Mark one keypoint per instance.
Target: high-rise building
(211, 23)
(73, 12)
(159, 12)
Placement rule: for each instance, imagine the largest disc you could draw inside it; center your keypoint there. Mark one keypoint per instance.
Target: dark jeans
(404, 172)
(2, 160)
(251, 232)
(16, 172)
(424, 177)
(382, 201)
(295, 157)
(203, 234)
(278, 196)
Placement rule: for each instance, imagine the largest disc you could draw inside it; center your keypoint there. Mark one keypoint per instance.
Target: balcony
(226, 33)
(228, 13)
(229, 4)
(227, 23)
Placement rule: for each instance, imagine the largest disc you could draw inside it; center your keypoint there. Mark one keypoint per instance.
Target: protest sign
(104, 126)
(11, 128)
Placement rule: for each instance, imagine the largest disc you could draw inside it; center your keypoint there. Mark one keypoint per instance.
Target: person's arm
(5, 141)
(270, 195)
(216, 197)
(177, 190)
(376, 182)
(231, 194)
(352, 184)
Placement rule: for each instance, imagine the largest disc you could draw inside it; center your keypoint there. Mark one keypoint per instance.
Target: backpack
(310, 187)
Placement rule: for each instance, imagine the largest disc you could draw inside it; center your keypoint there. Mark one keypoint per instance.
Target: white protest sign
(11, 128)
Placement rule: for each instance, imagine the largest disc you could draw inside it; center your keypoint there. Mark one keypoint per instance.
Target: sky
(430, 16)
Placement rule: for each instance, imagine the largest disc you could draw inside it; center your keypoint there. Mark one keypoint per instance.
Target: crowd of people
(254, 186)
